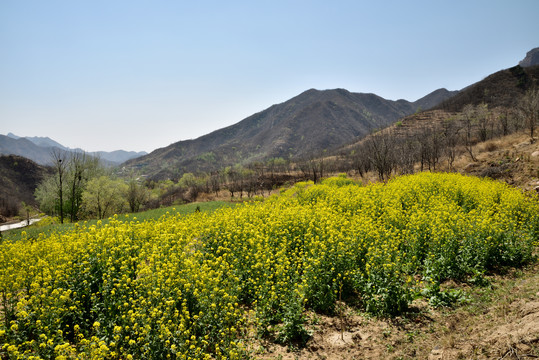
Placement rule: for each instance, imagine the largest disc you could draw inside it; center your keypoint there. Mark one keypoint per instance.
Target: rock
(470, 167)
(436, 354)
(535, 153)
(523, 348)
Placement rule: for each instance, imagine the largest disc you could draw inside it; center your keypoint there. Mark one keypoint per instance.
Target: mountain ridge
(502, 88)
(313, 121)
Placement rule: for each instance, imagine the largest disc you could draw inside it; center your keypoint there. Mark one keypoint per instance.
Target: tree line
(81, 188)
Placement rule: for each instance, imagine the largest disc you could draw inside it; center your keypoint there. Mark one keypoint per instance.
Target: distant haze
(139, 75)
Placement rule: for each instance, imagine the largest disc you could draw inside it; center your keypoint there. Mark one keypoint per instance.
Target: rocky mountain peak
(531, 59)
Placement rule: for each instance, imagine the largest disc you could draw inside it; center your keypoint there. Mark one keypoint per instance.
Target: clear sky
(139, 75)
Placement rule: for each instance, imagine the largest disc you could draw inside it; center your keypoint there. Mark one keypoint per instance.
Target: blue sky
(139, 75)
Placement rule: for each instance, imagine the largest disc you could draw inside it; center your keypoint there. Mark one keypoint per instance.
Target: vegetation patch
(201, 285)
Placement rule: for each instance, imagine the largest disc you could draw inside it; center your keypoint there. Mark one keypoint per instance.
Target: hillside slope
(502, 88)
(303, 126)
(19, 178)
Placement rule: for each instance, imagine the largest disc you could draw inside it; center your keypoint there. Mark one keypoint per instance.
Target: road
(18, 225)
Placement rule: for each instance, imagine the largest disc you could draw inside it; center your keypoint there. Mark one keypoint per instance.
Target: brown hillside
(19, 178)
(305, 125)
(502, 88)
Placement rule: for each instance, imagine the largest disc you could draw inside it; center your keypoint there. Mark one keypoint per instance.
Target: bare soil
(499, 321)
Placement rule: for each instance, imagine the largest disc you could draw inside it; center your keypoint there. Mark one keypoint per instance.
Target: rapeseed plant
(192, 286)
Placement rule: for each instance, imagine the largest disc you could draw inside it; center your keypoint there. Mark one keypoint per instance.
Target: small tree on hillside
(59, 159)
(381, 154)
(468, 118)
(360, 159)
(80, 170)
(137, 195)
(503, 120)
(483, 120)
(450, 131)
(104, 197)
(529, 109)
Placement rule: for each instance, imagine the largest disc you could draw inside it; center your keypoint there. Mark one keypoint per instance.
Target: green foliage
(75, 173)
(104, 197)
(293, 330)
(441, 298)
(208, 157)
(384, 292)
(137, 195)
(47, 195)
(341, 180)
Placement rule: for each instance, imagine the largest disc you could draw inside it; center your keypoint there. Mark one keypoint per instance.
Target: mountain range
(316, 121)
(304, 126)
(39, 150)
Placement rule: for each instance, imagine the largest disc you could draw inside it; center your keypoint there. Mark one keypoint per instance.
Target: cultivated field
(210, 286)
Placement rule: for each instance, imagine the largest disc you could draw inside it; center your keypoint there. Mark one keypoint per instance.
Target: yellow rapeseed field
(194, 287)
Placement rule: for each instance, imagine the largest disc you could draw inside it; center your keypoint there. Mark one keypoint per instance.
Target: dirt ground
(498, 321)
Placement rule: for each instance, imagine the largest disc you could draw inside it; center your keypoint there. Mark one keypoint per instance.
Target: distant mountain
(39, 149)
(19, 178)
(531, 59)
(502, 88)
(23, 147)
(40, 141)
(302, 126)
(435, 98)
(118, 156)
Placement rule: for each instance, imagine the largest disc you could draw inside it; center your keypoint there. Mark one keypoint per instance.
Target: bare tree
(215, 180)
(503, 120)
(450, 131)
(234, 180)
(380, 150)
(482, 119)
(468, 117)
(529, 109)
(59, 159)
(429, 140)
